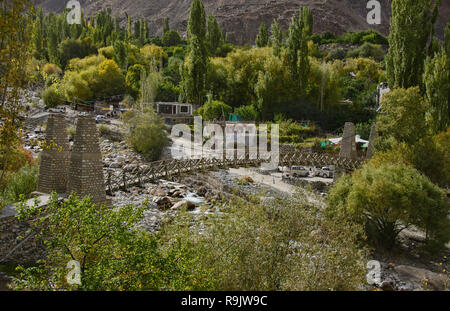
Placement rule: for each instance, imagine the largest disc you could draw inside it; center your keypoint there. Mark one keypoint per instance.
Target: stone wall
(12, 233)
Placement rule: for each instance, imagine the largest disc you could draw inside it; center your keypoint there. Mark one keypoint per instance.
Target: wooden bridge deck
(166, 168)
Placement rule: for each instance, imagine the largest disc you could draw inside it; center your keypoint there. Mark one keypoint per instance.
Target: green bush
(337, 53)
(284, 244)
(387, 198)
(248, 113)
(214, 110)
(145, 132)
(363, 129)
(114, 254)
(52, 97)
(103, 130)
(20, 184)
(368, 50)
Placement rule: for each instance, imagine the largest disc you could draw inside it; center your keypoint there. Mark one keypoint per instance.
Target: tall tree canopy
(262, 39)
(297, 48)
(410, 35)
(195, 65)
(214, 36)
(277, 37)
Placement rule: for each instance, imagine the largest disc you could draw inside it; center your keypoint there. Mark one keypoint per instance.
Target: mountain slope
(241, 18)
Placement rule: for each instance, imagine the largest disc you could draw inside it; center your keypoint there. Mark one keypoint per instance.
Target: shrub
(363, 129)
(52, 97)
(388, 198)
(20, 185)
(284, 244)
(103, 130)
(71, 130)
(248, 113)
(17, 158)
(51, 69)
(107, 52)
(146, 132)
(337, 53)
(114, 254)
(214, 110)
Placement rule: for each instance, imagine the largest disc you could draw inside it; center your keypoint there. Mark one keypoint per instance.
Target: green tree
(402, 115)
(14, 58)
(112, 252)
(195, 65)
(166, 26)
(37, 34)
(109, 79)
(307, 20)
(411, 28)
(133, 79)
(262, 38)
(145, 132)
(277, 38)
(171, 38)
(149, 86)
(214, 110)
(121, 53)
(297, 50)
(52, 44)
(389, 198)
(437, 91)
(447, 39)
(214, 36)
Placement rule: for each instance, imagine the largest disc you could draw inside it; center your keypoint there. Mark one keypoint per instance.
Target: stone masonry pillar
(348, 145)
(54, 164)
(373, 136)
(86, 168)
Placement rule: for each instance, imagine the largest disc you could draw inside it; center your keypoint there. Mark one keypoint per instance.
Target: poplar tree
(195, 65)
(262, 39)
(447, 39)
(277, 38)
(37, 35)
(297, 51)
(437, 91)
(166, 26)
(214, 37)
(410, 35)
(307, 20)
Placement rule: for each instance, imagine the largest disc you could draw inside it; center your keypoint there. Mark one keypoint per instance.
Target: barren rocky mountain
(241, 18)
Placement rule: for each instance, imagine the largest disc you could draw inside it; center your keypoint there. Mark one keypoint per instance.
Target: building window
(184, 109)
(165, 109)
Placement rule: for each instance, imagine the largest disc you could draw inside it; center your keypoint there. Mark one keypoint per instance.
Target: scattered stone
(163, 202)
(388, 285)
(159, 192)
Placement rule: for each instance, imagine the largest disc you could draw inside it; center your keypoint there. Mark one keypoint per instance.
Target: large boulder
(422, 278)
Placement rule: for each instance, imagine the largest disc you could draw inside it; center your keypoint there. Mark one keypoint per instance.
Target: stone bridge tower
(86, 167)
(373, 136)
(54, 164)
(348, 145)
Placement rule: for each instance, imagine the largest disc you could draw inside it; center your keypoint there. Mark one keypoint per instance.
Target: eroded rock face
(241, 19)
